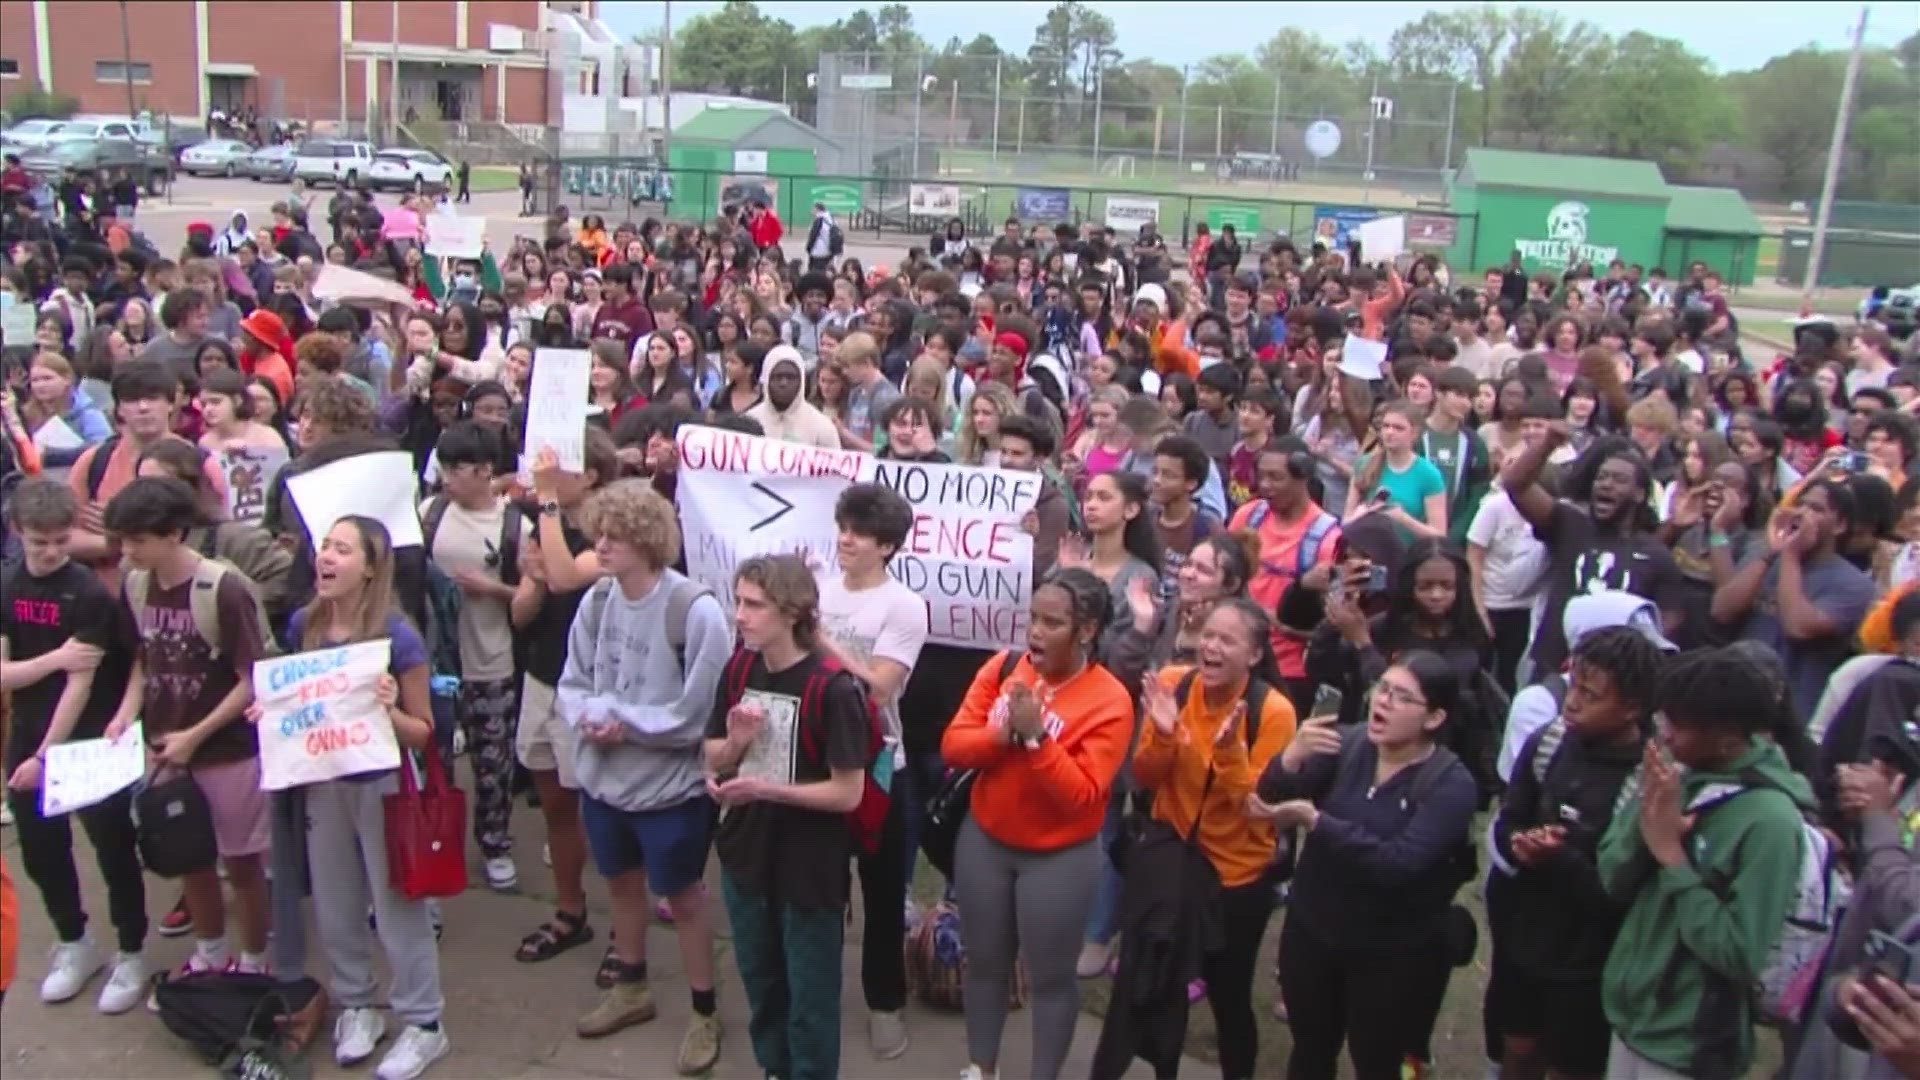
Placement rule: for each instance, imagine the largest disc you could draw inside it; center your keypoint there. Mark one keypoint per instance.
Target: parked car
(215, 157)
(28, 135)
(273, 163)
(408, 169)
(324, 161)
(89, 129)
(1899, 312)
(152, 166)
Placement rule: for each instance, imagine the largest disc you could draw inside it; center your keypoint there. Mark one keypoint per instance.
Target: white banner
(1126, 213)
(967, 555)
(557, 406)
(320, 718)
(381, 486)
(250, 474)
(943, 199)
(455, 237)
(1382, 239)
(78, 774)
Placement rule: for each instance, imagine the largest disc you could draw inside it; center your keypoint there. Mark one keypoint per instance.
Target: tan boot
(621, 1006)
(700, 1049)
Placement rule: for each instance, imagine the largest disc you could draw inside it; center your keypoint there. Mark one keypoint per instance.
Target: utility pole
(393, 78)
(997, 58)
(1099, 99)
(1834, 153)
(1180, 153)
(1273, 143)
(126, 59)
(666, 88)
(1373, 115)
(919, 90)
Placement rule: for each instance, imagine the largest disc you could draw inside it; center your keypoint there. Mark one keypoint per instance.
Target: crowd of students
(1298, 618)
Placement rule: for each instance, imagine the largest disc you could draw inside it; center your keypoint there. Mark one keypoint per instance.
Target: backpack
(97, 466)
(936, 960)
(1310, 542)
(245, 1025)
(866, 820)
(684, 591)
(1464, 860)
(1076, 521)
(836, 240)
(1789, 981)
(1255, 698)
(264, 563)
(204, 603)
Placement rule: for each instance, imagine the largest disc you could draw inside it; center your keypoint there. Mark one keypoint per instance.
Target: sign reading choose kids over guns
(320, 715)
(967, 555)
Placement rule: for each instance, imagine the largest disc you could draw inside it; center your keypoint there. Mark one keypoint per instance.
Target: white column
(460, 24)
(500, 92)
(200, 50)
(346, 22)
(43, 45)
(371, 66)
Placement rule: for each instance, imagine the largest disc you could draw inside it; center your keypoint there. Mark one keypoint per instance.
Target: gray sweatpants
(1031, 905)
(347, 854)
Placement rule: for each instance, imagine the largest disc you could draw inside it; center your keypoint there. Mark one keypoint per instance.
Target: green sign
(840, 197)
(1244, 219)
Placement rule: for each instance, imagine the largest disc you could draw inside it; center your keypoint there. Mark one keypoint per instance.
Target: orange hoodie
(1054, 797)
(1374, 312)
(1175, 770)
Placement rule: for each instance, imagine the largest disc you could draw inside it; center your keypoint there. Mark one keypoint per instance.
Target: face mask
(463, 281)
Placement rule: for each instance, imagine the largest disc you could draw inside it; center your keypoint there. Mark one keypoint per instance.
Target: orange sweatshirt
(1056, 796)
(1175, 770)
(1374, 312)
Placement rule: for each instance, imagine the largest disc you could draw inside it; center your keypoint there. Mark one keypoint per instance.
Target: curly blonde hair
(631, 512)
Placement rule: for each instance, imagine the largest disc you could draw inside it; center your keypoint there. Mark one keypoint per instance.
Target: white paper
(771, 755)
(933, 198)
(347, 284)
(87, 771)
(56, 435)
(1363, 358)
(250, 473)
(321, 718)
(16, 321)
(1382, 239)
(557, 406)
(380, 486)
(1126, 213)
(455, 237)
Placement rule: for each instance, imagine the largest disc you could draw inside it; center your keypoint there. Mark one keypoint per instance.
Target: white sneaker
(416, 1049)
(69, 967)
(6, 814)
(355, 1035)
(1093, 960)
(502, 874)
(975, 1072)
(125, 984)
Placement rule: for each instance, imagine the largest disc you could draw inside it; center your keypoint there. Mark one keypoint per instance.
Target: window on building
(9, 68)
(115, 71)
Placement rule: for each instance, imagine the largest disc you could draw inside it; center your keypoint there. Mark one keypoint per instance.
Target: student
(1046, 742)
(1397, 481)
(1455, 448)
(868, 393)
(66, 660)
(1555, 923)
(1364, 951)
(1508, 563)
(784, 838)
(190, 693)
(639, 713)
(785, 413)
(1297, 542)
(1706, 855)
(560, 565)
(1259, 413)
(346, 821)
(1212, 424)
(475, 538)
(1179, 468)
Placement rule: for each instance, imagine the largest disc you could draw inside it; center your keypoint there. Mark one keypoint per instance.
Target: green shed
(1556, 210)
(724, 153)
(1713, 225)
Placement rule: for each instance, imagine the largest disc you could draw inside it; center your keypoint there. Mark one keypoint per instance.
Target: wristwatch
(551, 506)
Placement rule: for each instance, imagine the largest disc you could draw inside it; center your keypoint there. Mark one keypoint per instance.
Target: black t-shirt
(38, 616)
(797, 857)
(546, 636)
(1583, 559)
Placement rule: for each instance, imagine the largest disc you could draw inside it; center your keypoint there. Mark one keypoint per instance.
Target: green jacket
(1678, 987)
(1475, 478)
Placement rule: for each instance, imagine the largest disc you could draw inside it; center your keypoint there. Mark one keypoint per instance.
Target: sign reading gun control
(967, 556)
(320, 718)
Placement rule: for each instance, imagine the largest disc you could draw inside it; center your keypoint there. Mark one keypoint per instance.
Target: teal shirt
(1410, 489)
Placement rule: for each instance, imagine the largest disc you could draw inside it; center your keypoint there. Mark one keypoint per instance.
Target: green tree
(1547, 68)
(1469, 47)
(737, 49)
(897, 36)
(1624, 120)
(1788, 107)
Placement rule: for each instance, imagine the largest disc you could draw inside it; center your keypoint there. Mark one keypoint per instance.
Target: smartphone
(1855, 462)
(1891, 958)
(1377, 579)
(1381, 497)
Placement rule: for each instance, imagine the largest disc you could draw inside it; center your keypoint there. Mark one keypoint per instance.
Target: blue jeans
(789, 960)
(1104, 920)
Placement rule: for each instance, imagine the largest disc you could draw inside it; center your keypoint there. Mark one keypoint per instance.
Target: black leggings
(46, 853)
(1512, 629)
(883, 895)
(1380, 1003)
(1244, 912)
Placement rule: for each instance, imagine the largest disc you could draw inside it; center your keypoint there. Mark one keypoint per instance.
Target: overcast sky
(1171, 32)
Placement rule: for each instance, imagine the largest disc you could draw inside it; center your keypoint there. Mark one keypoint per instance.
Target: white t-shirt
(467, 541)
(888, 623)
(1516, 560)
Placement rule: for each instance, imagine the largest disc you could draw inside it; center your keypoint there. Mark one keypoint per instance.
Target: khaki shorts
(544, 742)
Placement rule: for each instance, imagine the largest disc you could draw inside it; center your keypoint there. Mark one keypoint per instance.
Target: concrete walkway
(506, 1019)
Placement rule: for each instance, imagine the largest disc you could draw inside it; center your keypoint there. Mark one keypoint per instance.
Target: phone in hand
(1891, 958)
(1377, 579)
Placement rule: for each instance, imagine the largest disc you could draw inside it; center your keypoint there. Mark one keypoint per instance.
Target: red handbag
(426, 834)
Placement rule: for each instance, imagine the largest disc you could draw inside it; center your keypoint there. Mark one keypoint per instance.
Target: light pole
(1834, 154)
(126, 58)
(666, 88)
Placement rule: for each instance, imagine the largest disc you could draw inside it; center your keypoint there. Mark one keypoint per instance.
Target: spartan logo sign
(1567, 239)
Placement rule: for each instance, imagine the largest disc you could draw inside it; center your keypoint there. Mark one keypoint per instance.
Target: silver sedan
(215, 157)
(273, 163)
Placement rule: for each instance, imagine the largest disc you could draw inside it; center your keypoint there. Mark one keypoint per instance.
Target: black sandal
(553, 937)
(610, 968)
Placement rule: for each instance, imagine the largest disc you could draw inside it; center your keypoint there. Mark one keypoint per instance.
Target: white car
(215, 157)
(326, 161)
(29, 134)
(408, 169)
(91, 131)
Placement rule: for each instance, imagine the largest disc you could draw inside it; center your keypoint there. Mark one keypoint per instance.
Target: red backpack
(868, 819)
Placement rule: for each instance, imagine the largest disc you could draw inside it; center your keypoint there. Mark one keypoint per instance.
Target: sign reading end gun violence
(967, 555)
(320, 716)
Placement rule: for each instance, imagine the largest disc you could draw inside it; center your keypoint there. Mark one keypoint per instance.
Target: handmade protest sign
(83, 772)
(250, 474)
(455, 237)
(557, 406)
(967, 555)
(320, 718)
(380, 486)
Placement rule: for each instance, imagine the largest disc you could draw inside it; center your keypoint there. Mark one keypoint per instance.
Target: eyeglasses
(1394, 695)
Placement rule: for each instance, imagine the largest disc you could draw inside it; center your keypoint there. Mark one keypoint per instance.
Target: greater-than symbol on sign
(785, 507)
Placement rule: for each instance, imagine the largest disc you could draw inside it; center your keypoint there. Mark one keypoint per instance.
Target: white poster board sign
(1126, 213)
(967, 555)
(749, 161)
(83, 772)
(380, 486)
(320, 716)
(933, 199)
(16, 321)
(250, 474)
(1382, 239)
(557, 406)
(344, 283)
(455, 237)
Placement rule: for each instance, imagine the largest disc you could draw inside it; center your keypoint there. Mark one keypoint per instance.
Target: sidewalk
(508, 1021)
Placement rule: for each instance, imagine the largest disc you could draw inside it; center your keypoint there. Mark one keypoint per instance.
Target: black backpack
(235, 1021)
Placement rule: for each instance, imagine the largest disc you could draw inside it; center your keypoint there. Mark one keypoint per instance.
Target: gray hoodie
(620, 668)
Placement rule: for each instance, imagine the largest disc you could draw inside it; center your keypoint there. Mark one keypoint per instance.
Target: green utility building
(733, 154)
(1557, 210)
(1715, 226)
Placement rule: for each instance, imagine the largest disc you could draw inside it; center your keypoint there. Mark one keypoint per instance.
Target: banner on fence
(1049, 204)
(841, 199)
(320, 716)
(557, 406)
(1126, 213)
(1432, 230)
(1336, 226)
(250, 474)
(455, 237)
(933, 199)
(1244, 219)
(741, 190)
(967, 555)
